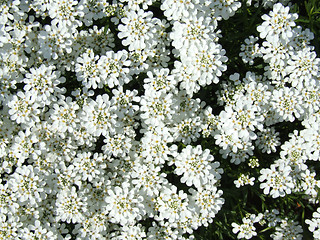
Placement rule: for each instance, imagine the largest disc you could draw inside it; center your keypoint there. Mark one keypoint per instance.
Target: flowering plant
(159, 119)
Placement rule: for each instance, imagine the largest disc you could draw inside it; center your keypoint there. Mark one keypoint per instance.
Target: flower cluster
(246, 229)
(103, 122)
(284, 227)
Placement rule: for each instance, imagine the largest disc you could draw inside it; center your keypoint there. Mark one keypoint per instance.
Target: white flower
(186, 130)
(250, 50)
(160, 79)
(27, 185)
(277, 24)
(8, 10)
(253, 162)
(246, 229)
(130, 232)
(9, 227)
(164, 230)
(70, 207)
(311, 136)
(113, 69)
(64, 115)
(148, 178)
(64, 177)
(137, 29)
(54, 41)
(124, 101)
(196, 166)
(194, 31)
(43, 81)
(172, 205)
(88, 167)
(185, 74)
(301, 38)
(278, 180)
(156, 107)
(208, 61)
(228, 137)
(244, 180)
(309, 184)
(138, 60)
(94, 10)
(66, 12)
(224, 9)
(287, 103)
(272, 217)
(118, 145)
(257, 92)
(39, 231)
(23, 146)
(134, 4)
(288, 229)
(293, 151)
(268, 140)
(177, 9)
(123, 205)
(154, 146)
(87, 69)
(92, 227)
(276, 53)
(24, 108)
(314, 224)
(242, 154)
(8, 201)
(97, 117)
(207, 200)
(247, 120)
(303, 68)
(102, 35)
(310, 98)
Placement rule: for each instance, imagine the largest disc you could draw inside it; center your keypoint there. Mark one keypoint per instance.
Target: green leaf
(266, 229)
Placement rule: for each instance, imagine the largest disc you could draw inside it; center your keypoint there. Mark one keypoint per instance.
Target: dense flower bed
(125, 120)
